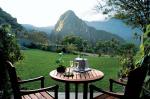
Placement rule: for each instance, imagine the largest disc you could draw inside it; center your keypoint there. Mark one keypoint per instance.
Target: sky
(43, 13)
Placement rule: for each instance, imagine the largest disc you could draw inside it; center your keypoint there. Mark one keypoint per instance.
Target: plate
(81, 71)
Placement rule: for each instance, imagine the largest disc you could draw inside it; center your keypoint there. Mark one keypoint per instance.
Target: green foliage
(74, 43)
(146, 41)
(145, 50)
(147, 33)
(11, 52)
(71, 48)
(127, 53)
(127, 49)
(127, 64)
(35, 40)
(71, 39)
(59, 60)
(107, 47)
(38, 37)
(8, 44)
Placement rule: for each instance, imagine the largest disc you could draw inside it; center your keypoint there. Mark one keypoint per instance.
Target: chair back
(13, 80)
(136, 80)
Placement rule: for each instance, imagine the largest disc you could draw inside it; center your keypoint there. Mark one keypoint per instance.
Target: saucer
(81, 70)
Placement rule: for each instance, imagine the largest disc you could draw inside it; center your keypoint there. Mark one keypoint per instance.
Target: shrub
(9, 50)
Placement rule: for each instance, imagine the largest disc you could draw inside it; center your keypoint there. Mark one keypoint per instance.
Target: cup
(71, 64)
(76, 64)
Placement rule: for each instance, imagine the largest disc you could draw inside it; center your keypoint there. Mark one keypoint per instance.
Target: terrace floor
(61, 95)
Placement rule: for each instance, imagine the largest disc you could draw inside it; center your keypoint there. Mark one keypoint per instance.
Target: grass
(37, 63)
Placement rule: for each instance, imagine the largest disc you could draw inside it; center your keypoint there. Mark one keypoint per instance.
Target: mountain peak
(69, 12)
(68, 15)
(69, 23)
(68, 19)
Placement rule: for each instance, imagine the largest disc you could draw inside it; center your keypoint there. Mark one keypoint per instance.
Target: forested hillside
(6, 18)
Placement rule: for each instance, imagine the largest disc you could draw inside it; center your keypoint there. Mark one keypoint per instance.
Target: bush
(8, 44)
(71, 47)
(32, 45)
(90, 50)
(58, 50)
(10, 51)
(145, 50)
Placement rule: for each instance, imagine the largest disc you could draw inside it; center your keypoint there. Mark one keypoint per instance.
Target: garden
(40, 63)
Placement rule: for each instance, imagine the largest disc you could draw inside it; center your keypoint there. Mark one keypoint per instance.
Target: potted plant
(61, 68)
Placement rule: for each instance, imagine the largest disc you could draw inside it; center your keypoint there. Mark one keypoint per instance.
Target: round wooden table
(84, 78)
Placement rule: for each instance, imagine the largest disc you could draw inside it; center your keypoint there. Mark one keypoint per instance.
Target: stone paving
(61, 95)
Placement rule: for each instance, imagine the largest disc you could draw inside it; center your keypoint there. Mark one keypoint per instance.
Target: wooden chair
(132, 88)
(41, 93)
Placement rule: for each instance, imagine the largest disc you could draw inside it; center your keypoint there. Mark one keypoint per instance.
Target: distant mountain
(115, 26)
(6, 18)
(23, 36)
(47, 29)
(69, 23)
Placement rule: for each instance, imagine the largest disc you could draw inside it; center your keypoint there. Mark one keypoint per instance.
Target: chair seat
(105, 96)
(39, 95)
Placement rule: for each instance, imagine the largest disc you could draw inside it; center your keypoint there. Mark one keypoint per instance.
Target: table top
(89, 76)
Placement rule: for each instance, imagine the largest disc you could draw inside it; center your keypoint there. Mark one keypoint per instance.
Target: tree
(127, 49)
(38, 37)
(145, 50)
(9, 50)
(100, 47)
(8, 44)
(71, 47)
(133, 12)
(107, 47)
(75, 40)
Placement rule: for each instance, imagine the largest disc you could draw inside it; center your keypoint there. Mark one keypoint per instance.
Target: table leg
(76, 91)
(85, 90)
(67, 91)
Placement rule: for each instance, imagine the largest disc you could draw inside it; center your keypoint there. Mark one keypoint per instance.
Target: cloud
(47, 12)
(95, 17)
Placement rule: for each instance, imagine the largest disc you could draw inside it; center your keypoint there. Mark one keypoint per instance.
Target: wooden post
(91, 92)
(111, 85)
(67, 90)
(42, 82)
(76, 91)
(56, 92)
(85, 90)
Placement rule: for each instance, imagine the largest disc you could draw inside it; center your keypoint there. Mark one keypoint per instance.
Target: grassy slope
(37, 63)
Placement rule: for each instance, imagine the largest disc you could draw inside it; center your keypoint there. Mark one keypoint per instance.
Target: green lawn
(37, 63)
